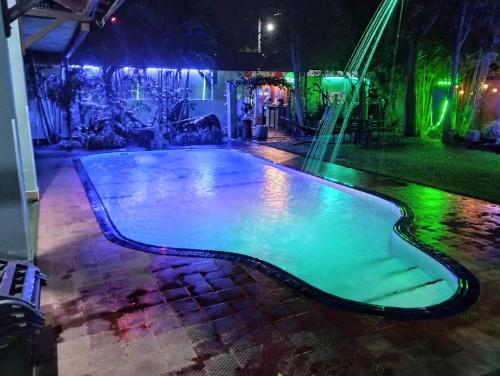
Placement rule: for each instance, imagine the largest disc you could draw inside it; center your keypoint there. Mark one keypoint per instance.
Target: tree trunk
(296, 64)
(420, 31)
(108, 82)
(186, 94)
(447, 137)
(411, 94)
(69, 125)
(462, 32)
(67, 107)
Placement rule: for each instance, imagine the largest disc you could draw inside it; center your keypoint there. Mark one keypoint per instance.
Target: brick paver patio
(116, 311)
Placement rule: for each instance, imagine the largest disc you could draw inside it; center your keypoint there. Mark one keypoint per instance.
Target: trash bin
(246, 125)
(261, 132)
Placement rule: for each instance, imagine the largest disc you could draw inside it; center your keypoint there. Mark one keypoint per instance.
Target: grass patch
(452, 168)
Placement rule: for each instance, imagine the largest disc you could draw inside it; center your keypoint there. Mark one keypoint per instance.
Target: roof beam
(74, 5)
(78, 39)
(84, 29)
(20, 9)
(11, 14)
(44, 31)
(89, 10)
(48, 13)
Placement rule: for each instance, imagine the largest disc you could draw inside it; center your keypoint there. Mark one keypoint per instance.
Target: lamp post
(269, 29)
(259, 37)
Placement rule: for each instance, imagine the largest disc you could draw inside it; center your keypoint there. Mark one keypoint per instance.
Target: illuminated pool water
(336, 239)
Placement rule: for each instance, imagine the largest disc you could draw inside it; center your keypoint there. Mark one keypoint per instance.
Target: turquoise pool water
(335, 238)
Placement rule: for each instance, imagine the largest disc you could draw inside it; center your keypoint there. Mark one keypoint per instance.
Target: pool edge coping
(467, 293)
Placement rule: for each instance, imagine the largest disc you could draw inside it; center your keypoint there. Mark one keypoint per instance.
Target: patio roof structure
(59, 26)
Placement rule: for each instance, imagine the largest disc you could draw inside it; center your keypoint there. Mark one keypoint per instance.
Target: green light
(289, 77)
(443, 113)
(338, 78)
(443, 83)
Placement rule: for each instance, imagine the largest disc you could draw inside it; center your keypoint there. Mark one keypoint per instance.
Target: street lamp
(269, 28)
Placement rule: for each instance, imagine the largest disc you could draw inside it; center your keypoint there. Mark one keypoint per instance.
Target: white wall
(14, 236)
(21, 110)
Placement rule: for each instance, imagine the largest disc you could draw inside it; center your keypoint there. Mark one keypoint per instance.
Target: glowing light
(114, 19)
(495, 90)
(461, 92)
(204, 94)
(486, 86)
(91, 67)
(338, 78)
(444, 83)
(443, 113)
(289, 77)
(270, 27)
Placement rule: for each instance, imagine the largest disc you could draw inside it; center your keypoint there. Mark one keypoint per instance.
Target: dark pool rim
(467, 293)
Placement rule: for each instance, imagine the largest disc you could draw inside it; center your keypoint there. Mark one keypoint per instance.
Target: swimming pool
(326, 237)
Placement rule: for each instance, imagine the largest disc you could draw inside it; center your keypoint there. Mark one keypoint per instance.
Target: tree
(477, 57)
(422, 16)
(316, 36)
(63, 90)
(464, 16)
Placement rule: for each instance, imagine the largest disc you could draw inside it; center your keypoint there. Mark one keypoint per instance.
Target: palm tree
(63, 90)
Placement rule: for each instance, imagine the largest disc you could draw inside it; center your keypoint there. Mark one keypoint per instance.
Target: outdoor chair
(20, 285)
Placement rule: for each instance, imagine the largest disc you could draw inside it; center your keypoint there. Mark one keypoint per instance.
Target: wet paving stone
(176, 294)
(112, 310)
(218, 311)
(209, 299)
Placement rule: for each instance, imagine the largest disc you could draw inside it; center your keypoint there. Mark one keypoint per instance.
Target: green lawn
(451, 168)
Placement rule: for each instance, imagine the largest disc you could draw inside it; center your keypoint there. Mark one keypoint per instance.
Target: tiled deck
(115, 311)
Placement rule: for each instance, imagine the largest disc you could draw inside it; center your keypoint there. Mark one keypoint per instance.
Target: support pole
(232, 119)
(259, 37)
(21, 110)
(14, 234)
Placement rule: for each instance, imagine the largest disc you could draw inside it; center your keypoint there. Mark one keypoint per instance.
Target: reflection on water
(276, 189)
(205, 185)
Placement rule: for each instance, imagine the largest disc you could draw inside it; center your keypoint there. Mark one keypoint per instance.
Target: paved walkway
(115, 311)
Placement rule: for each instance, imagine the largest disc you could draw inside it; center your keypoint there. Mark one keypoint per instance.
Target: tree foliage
(63, 91)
